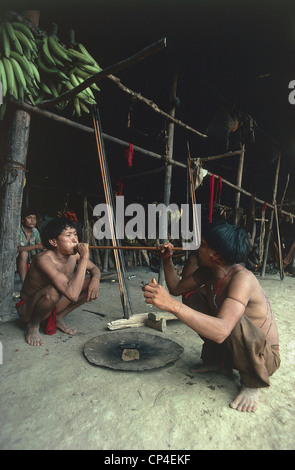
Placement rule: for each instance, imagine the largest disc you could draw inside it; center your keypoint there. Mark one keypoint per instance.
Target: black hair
(54, 228)
(230, 241)
(28, 211)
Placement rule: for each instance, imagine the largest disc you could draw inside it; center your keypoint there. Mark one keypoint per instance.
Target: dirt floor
(52, 397)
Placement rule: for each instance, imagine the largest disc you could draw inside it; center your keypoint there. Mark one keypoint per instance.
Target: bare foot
(247, 400)
(33, 336)
(63, 327)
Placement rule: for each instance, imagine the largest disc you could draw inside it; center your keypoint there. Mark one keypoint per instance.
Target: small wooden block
(157, 324)
(156, 316)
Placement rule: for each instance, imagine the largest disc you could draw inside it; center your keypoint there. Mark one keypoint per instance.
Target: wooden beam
(223, 155)
(239, 184)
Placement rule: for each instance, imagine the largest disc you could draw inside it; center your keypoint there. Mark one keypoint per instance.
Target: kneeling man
(56, 282)
(225, 304)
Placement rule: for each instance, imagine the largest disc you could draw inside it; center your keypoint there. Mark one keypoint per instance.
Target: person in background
(29, 242)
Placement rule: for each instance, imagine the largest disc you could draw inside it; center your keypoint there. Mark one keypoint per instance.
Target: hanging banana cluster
(42, 69)
(63, 69)
(19, 75)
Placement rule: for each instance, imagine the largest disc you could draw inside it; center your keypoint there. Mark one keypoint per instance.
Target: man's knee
(23, 256)
(51, 295)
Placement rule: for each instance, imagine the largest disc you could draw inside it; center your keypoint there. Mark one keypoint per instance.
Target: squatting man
(56, 282)
(225, 304)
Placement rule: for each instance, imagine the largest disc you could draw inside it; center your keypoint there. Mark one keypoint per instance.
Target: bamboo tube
(145, 248)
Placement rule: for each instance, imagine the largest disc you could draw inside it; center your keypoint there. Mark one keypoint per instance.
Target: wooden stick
(153, 105)
(239, 184)
(279, 243)
(147, 248)
(271, 216)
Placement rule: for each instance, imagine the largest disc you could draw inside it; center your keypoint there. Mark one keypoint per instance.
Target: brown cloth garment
(246, 348)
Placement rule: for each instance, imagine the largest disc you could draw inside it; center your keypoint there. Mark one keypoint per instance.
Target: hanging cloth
(129, 155)
(211, 197)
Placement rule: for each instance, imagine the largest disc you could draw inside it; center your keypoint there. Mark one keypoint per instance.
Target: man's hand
(93, 289)
(82, 249)
(156, 295)
(166, 251)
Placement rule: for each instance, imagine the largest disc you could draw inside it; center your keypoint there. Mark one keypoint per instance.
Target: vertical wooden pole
(168, 173)
(271, 217)
(10, 208)
(239, 183)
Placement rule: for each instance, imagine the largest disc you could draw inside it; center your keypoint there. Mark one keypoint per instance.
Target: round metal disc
(106, 350)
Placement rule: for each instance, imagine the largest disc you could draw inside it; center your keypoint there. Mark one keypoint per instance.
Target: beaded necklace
(214, 294)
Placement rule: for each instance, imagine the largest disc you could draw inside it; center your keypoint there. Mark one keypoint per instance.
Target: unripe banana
(57, 49)
(75, 82)
(11, 83)
(45, 88)
(3, 78)
(24, 29)
(91, 69)
(35, 72)
(53, 88)
(24, 40)
(84, 51)
(24, 63)
(5, 42)
(9, 29)
(77, 105)
(18, 73)
(84, 107)
(44, 67)
(79, 57)
(46, 53)
(18, 46)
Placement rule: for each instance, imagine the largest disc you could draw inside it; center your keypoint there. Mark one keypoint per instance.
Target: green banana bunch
(18, 51)
(84, 67)
(88, 66)
(83, 100)
(40, 69)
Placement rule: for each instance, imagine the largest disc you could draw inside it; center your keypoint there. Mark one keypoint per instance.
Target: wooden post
(11, 203)
(239, 183)
(168, 173)
(271, 217)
